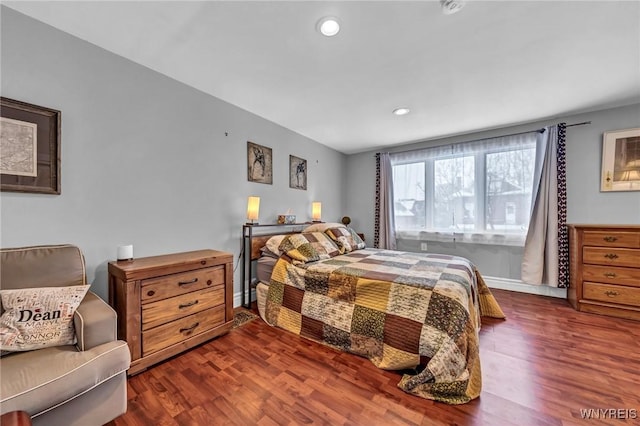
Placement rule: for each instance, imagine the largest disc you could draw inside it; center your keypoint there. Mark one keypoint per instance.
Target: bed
(414, 312)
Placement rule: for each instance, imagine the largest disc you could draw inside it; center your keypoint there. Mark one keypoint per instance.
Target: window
(476, 191)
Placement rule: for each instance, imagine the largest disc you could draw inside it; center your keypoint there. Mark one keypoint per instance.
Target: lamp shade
(631, 172)
(316, 211)
(253, 208)
(630, 175)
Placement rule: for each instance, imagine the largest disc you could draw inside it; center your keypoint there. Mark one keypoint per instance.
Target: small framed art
(297, 172)
(29, 148)
(259, 163)
(621, 161)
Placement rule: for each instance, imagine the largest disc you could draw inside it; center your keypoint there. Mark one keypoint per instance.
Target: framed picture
(259, 163)
(621, 161)
(29, 148)
(297, 172)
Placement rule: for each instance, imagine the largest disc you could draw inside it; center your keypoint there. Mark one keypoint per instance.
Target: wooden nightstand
(168, 304)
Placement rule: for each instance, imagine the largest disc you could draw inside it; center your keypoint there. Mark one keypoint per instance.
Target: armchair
(83, 384)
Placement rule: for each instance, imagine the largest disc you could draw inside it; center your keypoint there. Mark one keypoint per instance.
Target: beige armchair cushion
(52, 376)
(95, 323)
(42, 266)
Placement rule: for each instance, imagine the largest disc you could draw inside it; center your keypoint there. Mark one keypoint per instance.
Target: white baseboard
(237, 298)
(517, 285)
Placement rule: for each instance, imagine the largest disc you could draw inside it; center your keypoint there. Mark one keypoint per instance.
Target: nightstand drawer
(175, 332)
(612, 239)
(611, 256)
(163, 311)
(612, 275)
(612, 293)
(175, 284)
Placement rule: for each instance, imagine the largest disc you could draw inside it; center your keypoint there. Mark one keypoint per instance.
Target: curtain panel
(563, 231)
(384, 229)
(546, 252)
(376, 209)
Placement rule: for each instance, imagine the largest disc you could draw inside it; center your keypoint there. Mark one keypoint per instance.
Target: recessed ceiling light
(328, 26)
(401, 111)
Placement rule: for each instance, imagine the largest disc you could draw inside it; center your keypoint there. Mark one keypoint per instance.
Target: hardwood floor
(541, 366)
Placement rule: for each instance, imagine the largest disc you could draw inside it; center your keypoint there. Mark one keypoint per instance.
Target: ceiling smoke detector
(449, 7)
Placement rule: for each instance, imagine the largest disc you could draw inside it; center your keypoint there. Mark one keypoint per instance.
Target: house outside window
(473, 192)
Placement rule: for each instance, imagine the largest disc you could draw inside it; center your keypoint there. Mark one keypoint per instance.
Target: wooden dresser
(168, 304)
(605, 269)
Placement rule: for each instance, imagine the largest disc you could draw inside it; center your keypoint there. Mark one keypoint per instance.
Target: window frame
(481, 233)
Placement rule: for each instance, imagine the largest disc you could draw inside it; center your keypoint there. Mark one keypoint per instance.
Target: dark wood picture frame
(297, 172)
(259, 163)
(48, 122)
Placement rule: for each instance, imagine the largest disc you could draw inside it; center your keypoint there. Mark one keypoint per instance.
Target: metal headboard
(254, 237)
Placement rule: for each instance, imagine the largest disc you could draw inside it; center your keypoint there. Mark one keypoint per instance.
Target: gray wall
(585, 202)
(145, 159)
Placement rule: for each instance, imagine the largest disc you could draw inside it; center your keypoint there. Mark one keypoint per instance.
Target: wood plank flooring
(541, 366)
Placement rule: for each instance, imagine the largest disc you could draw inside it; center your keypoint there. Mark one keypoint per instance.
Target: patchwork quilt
(400, 310)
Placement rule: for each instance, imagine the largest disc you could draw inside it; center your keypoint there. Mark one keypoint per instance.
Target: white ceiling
(494, 63)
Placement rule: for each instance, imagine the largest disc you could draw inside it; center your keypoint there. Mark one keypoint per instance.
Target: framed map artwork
(29, 148)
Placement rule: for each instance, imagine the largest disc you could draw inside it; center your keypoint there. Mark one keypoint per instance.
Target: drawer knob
(610, 239)
(610, 274)
(203, 262)
(195, 280)
(186, 305)
(189, 330)
(611, 256)
(151, 293)
(611, 293)
(209, 282)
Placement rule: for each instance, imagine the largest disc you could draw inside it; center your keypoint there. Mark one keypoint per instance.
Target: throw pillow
(322, 226)
(273, 243)
(308, 247)
(346, 238)
(36, 318)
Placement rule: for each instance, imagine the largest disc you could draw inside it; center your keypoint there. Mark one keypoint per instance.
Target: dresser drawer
(611, 275)
(612, 293)
(175, 284)
(612, 239)
(163, 311)
(175, 332)
(611, 256)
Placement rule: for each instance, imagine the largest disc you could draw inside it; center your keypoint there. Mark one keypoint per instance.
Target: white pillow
(323, 226)
(273, 243)
(36, 318)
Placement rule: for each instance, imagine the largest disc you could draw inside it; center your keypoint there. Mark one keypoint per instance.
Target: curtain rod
(578, 124)
(539, 130)
(501, 136)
